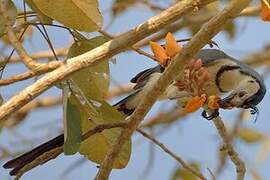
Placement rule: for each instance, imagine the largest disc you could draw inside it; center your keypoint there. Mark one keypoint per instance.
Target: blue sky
(194, 139)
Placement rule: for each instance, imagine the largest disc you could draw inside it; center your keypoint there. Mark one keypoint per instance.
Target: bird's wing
(209, 56)
(141, 78)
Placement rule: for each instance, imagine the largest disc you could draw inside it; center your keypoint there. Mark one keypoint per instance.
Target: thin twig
(29, 62)
(21, 77)
(174, 156)
(41, 55)
(222, 150)
(164, 118)
(240, 165)
(138, 50)
(211, 173)
(178, 25)
(57, 151)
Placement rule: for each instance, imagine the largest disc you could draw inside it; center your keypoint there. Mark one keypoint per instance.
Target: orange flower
(164, 55)
(213, 102)
(159, 53)
(171, 46)
(195, 103)
(265, 10)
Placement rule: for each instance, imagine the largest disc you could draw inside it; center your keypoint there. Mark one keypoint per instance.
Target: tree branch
(21, 114)
(107, 50)
(177, 158)
(57, 151)
(40, 55)
(29, 62)
(206, 33)
(178, 25)
(240, 166)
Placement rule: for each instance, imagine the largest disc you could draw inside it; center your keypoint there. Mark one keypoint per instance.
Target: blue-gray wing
(142, 78)
(207, 55)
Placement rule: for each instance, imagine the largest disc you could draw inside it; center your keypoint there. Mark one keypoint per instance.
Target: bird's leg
(215, 113)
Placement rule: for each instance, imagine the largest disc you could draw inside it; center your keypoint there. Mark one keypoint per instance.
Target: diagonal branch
(107, 50)
(57, 151)
(177, 158)
(240, 166)
(61, 52)
(206, 33)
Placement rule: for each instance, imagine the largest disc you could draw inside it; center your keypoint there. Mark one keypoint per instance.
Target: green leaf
(183, 174)
(82, 15)
(96, 147)
(72, 119)
(93, 84)
(12, 14)
(94, 81)
(43, 18)
(250, 135)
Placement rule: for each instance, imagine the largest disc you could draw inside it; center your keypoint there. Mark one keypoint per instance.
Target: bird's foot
(211, 116)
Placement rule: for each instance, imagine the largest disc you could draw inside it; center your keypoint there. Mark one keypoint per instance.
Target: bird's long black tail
(20, 162)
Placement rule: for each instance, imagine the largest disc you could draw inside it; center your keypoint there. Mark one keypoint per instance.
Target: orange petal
(195, 103)
(265, 10)
(171, 46)
(159, 53)
(213, 102)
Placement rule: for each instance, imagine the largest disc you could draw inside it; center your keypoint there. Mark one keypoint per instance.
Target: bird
(242, 87)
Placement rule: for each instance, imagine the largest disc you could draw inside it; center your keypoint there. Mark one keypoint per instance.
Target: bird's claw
(211, 116)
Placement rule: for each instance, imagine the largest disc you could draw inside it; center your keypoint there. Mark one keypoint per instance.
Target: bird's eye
(241, 94)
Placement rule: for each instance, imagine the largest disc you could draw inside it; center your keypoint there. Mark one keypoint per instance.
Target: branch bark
(206, 33)
(107, 50)
(240, 165)
(40, 55)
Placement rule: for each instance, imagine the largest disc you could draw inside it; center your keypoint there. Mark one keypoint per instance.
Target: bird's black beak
(226, 103)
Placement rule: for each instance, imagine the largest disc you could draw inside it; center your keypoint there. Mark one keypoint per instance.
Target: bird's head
(247, 94)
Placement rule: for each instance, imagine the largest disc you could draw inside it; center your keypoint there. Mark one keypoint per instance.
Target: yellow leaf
(183, 174)
(159, 53)
(171, 46)
(82, 15)
(195, 103)
(265, 10)
(42, 17)
(250, 135)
